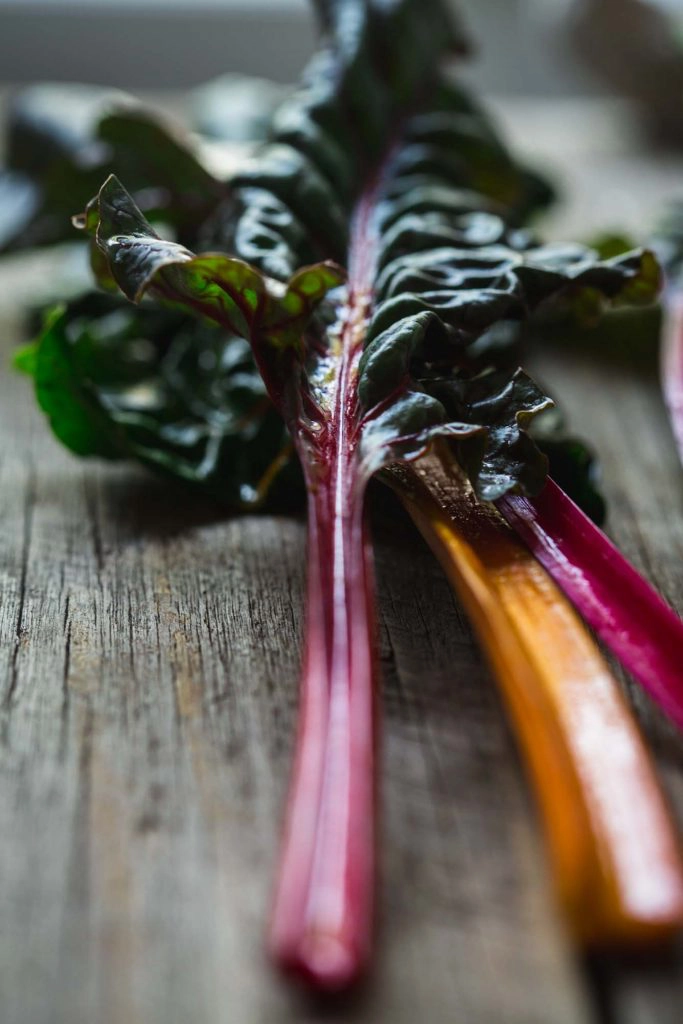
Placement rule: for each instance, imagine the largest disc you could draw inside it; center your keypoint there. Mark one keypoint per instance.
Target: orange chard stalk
(614, 849)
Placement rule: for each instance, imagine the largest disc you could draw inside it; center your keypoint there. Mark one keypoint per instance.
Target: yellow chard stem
(615, 854)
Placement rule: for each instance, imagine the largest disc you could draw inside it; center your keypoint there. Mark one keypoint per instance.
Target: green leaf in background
(64, 139)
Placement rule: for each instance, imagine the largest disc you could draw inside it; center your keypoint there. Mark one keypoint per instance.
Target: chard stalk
(321, 925)
(322, 916)
(633, 621)
(614, 850)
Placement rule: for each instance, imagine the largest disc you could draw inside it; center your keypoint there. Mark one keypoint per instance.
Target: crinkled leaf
(222, 288)
(406, 428)
(502, 456)
(179, 395)
(472, 289)
(446, 275)
(294, 204)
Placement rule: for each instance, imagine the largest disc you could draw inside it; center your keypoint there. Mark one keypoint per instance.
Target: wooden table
(148, 671)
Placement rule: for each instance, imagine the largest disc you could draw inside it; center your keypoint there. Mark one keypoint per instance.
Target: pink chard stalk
(322, 916)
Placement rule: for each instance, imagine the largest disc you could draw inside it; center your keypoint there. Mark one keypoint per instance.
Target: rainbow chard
(365, 253)
(627, 614)
(603, 812)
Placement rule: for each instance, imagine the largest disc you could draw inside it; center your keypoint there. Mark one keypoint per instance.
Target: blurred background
(160, 43)
(590, 90)
(526, 45)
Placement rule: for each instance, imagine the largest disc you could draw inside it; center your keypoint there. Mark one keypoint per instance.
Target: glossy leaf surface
(180, 396)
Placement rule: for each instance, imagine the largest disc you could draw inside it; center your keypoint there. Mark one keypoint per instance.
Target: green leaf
(24, 359)
(502, 456)
(75, 413)
(435, 300)
(221, 288)
(178, 395)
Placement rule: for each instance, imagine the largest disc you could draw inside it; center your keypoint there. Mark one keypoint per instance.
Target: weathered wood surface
(148, 668)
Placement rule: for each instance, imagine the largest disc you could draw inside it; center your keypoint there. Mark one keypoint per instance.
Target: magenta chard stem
(322, 917)
(321, 925)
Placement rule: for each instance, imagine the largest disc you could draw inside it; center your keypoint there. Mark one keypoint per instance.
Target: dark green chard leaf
(628, 329)
(178, 395)
(221, 288)
(503, 457)
(431, 301)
